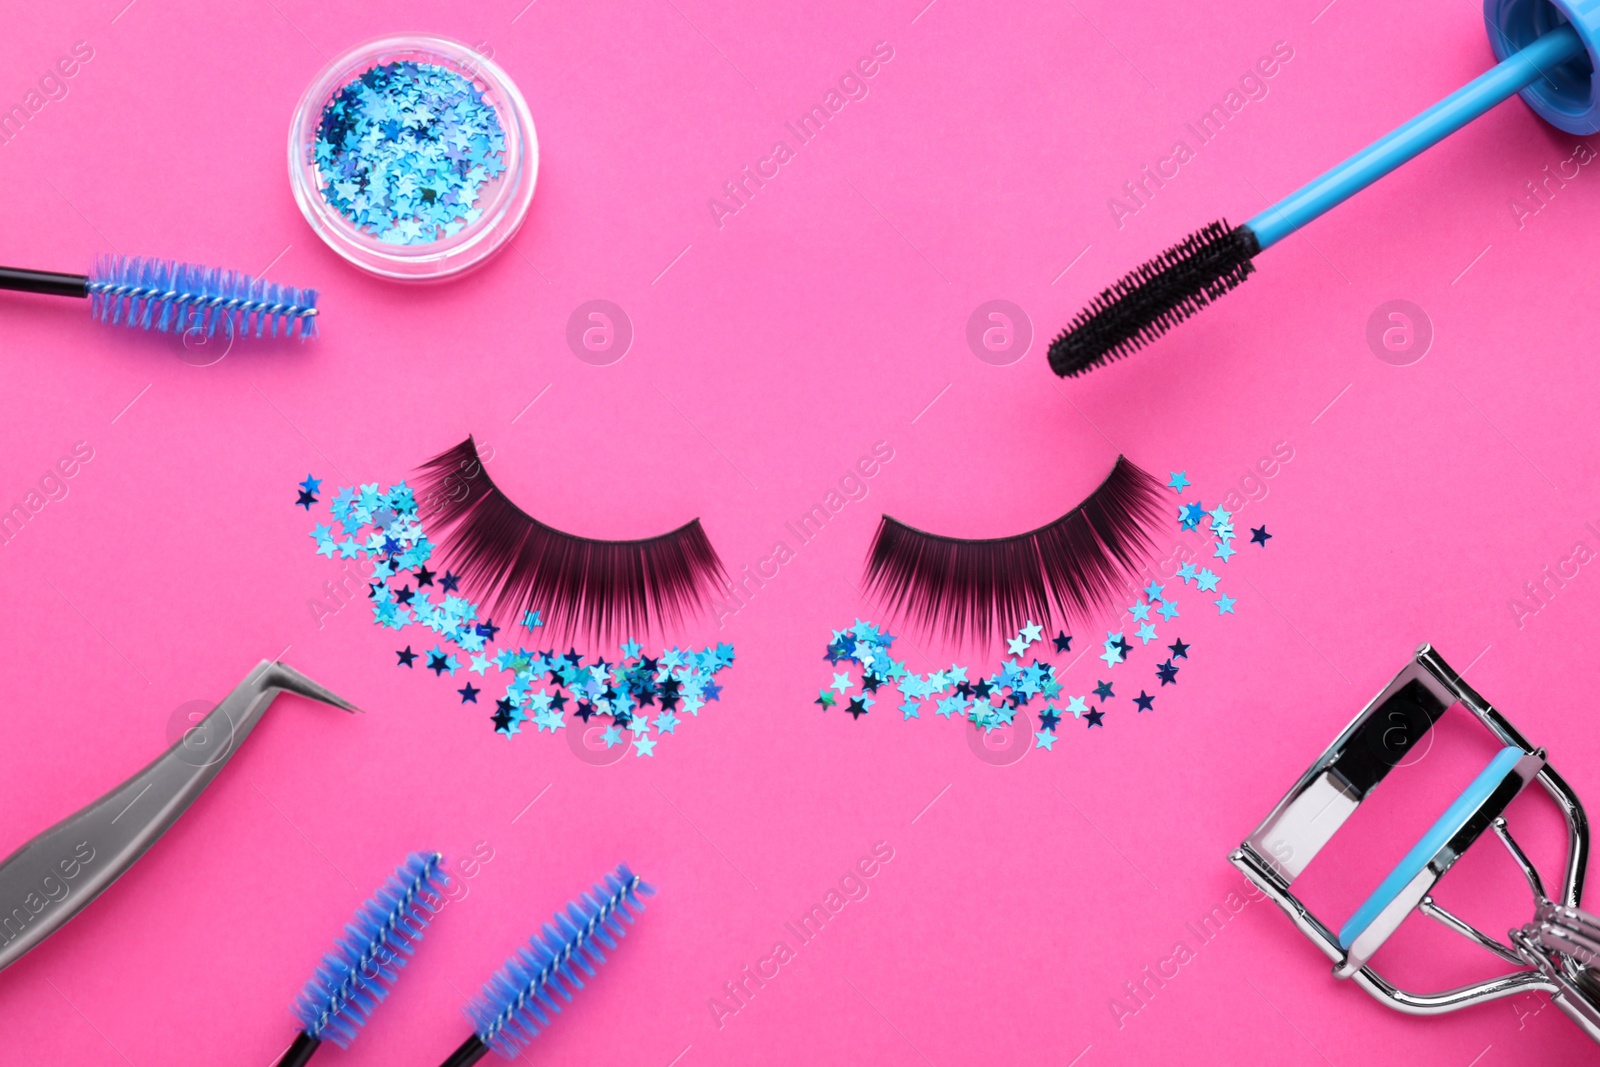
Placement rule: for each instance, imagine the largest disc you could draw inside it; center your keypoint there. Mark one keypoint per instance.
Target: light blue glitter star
(1044, 740)
(1179, 480)
(1206, 580)
(1225, 604)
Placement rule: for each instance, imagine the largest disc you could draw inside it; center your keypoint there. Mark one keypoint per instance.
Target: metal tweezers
(51, 878)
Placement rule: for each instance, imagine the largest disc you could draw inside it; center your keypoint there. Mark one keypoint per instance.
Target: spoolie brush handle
(1329, 190)
(48, 282)
(299, 1053)
(471, 1051)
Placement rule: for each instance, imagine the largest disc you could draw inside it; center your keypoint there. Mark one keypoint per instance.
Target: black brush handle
(48, 282)
(299, 1053)
(471, 1051)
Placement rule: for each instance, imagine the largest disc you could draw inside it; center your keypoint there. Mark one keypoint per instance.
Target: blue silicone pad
(1453, 819)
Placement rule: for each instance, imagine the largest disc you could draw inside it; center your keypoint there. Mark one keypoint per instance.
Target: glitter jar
(397, 189)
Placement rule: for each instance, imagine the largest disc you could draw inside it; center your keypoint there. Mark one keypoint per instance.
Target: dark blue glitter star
(306, 499)
(856, 708)
(1144, 700)
(1179, 649)
(469, 695)
(424, 577)
(1093, 718)
(504, 715)
(1259, 536)
(1048, 720)
(1103, 690)
(1167, 673)
(448, 583)
(1062, 641)
(437, 663)
(406, 657)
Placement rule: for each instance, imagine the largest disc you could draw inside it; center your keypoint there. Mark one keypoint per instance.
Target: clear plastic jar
(503, 201)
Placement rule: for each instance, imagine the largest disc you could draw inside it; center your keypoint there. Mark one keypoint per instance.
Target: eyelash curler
(1558, 952)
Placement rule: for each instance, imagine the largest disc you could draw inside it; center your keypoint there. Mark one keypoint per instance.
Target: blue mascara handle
(1332, 188)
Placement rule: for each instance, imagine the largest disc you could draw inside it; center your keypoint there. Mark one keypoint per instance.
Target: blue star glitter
(385, 532)
(406, 151)
(997, 700)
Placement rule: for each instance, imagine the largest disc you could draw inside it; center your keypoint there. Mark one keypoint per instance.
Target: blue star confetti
(381, 526)
(989, 703)
(406, 151)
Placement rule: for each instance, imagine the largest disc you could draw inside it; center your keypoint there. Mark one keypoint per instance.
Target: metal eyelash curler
(52, 877)
(1557, 953)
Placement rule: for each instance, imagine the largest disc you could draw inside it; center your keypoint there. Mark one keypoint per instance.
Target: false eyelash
(1070, 567)
(577, 583)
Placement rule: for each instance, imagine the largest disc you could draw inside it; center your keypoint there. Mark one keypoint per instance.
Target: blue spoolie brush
(357, 974)
(1553, 71)
(158, 294)
(512, 1009)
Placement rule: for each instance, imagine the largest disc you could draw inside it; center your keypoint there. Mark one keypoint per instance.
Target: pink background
(770, 353)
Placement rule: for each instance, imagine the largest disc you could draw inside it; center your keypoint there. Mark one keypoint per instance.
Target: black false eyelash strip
(1066, 569)
(576, 583)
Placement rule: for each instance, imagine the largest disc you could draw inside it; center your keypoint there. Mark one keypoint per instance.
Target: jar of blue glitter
(413, 157)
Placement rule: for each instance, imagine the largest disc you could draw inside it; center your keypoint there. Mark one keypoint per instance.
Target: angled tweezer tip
(272, 674)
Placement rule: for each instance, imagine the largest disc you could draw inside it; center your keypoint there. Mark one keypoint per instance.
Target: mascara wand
(1553, 71)
(169, 297)
(512, 1009)
(337, 1001)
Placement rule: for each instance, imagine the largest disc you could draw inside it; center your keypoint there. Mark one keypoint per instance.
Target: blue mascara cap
(1567, 97)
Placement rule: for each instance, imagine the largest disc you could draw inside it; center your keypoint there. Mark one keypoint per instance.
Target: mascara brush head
(159, 294)
(517, 1002)
(357, 974)
(1155, 296)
